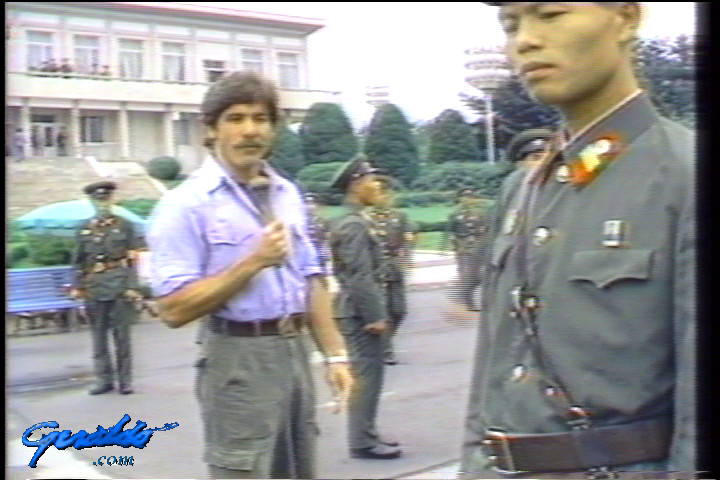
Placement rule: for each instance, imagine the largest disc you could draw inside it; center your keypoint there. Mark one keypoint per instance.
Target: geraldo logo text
(138, 437)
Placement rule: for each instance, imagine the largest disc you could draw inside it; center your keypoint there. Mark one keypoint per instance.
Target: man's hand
(273, 246)
(376, 328)
(341, 381)
(133, 295)
(76, 293)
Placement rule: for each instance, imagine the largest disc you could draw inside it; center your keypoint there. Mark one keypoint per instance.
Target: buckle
(503, 463)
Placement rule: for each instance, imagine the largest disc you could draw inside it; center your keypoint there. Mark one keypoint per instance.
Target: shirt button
(518, 373)
(541, 236)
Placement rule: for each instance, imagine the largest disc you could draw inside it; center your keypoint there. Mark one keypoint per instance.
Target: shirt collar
(212, 175)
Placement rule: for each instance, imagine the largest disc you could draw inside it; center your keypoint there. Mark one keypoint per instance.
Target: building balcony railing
(77, 86)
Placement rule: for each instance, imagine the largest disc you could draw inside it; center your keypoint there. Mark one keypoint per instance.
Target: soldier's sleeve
(682, 451)
(77, 258)
(352, 244)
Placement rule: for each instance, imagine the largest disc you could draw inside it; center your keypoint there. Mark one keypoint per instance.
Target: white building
(161, 59)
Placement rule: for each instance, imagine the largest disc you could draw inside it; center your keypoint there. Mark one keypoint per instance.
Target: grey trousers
(115, 315)
(257, 405)
(367, 362)
(395, 293)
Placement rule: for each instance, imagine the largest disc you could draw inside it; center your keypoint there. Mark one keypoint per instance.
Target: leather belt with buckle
(577, 450)
(286, 326)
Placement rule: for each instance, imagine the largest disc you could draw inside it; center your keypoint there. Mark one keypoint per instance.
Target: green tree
(327, 135)
(288, 153)
(391, 145)
(452, 140)
(666, 70)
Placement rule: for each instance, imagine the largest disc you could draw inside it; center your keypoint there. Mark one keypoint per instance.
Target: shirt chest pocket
(606, 267)
(223, 232)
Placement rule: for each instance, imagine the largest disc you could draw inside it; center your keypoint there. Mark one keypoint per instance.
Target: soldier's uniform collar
(620, 126)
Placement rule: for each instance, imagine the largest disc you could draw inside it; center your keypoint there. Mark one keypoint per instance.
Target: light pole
(489, 72)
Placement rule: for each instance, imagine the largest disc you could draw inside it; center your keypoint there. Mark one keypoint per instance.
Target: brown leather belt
(578, 450)
(288, 325)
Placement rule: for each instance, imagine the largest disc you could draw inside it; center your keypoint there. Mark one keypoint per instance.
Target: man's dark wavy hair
(239, 88)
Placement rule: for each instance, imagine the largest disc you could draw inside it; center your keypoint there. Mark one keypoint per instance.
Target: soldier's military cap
(352, 170)
(311, 197)
(100, 189)
(529, 141)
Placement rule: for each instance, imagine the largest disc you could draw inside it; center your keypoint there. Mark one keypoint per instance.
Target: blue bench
(37, 295)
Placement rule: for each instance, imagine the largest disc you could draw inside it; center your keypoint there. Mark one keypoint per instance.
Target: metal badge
(562, 175)
(541, 236)
(511, 222)
(614, 233)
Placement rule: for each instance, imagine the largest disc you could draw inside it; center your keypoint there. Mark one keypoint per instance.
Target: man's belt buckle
(286, 326)
(499, 444)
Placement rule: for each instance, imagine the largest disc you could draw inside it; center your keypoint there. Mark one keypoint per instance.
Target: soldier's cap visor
(103, 188)
(356, 168)
(537, 145)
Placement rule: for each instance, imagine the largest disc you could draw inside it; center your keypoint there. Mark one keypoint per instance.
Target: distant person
(106, 71)
(396, 234)
(61, 142)
(107, 280)
(19, 144)
(95, 70)
(65, 67)
(466, 230)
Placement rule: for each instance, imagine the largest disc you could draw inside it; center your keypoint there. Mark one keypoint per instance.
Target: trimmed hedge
(452, 176)
(46, 250)
(164, 168)
(140, 206)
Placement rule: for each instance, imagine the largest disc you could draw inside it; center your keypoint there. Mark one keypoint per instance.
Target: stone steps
(35, 182)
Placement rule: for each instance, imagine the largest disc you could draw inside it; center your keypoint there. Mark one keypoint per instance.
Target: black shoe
(378, 452)
(388, 442)
(126, 390)
(390, 358)
(101, 389)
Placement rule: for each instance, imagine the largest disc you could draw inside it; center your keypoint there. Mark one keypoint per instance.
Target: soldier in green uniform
(396, 233)
(466, 229)
(360, 306)
(585, 360)
(318, 228)
(107, 280)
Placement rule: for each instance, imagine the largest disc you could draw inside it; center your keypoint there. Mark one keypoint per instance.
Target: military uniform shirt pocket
(605, 267)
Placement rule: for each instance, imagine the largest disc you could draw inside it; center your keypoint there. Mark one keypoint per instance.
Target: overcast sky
(415, 48)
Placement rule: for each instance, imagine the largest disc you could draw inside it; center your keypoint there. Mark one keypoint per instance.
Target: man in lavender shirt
(231, 243)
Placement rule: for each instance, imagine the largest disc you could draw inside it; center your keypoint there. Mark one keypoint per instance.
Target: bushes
(46, 250)
(164, 168)
(422, 199)
(452, 176)
(140, 206)
(17, 253)
(316, 178)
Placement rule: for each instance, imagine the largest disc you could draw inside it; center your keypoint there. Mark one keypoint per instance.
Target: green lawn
(434, 213)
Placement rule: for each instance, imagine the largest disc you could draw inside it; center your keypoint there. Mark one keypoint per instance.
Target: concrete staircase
(35, 182)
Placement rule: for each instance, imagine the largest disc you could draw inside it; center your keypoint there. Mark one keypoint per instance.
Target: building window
(92, 129)
(40, 48)
(173, 62)
(131, 58)
(182, 131)
(289, 69)
(253, 60)
(214, 69)
(87, 54)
